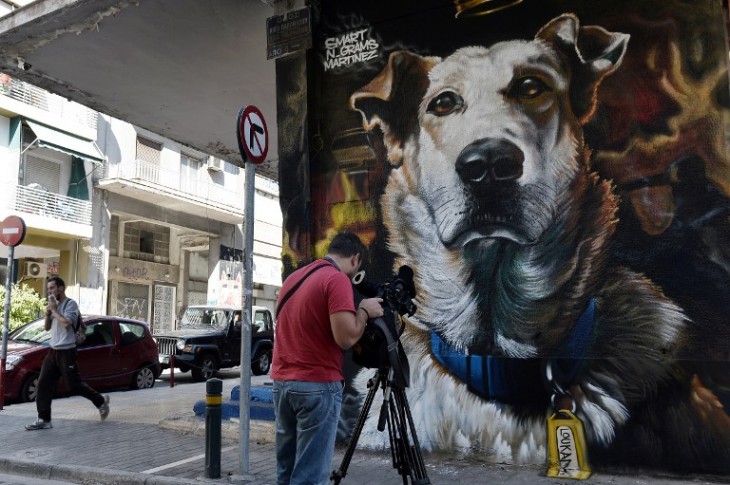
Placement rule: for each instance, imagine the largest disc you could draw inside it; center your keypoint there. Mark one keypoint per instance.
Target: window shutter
(148, 151)
(42, 172)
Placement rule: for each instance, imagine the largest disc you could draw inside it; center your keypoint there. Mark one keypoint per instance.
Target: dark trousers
(61, 363)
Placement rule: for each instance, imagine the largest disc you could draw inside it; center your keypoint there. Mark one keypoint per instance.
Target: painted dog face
(491, 138)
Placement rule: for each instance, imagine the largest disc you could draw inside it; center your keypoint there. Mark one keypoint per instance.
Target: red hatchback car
(118, 352)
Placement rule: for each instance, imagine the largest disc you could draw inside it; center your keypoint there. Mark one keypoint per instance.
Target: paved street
(151, 437)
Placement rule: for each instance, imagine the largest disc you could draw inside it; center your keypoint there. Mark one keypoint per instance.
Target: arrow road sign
(253, 135)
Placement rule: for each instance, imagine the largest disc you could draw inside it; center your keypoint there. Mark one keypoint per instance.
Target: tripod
(396, 413)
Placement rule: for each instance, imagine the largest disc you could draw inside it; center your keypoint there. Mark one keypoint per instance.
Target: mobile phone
(52, 298)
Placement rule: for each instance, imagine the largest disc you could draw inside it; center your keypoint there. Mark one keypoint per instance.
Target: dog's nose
(490, 160)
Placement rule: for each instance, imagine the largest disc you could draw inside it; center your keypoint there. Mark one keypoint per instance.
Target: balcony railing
(192, 187)
(36, 201)
(52, 103)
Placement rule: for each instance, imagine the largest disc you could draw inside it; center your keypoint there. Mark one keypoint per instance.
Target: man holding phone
(61, 317)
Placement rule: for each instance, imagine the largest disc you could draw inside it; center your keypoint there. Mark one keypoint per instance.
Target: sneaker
(104, 408)
(39, 424)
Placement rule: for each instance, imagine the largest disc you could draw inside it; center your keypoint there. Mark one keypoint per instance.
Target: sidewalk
(152, 437)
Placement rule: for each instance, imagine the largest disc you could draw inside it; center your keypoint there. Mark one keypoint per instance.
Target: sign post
(253, 142)
(12, 233)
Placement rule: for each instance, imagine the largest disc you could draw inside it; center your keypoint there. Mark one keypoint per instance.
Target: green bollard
(213, 401)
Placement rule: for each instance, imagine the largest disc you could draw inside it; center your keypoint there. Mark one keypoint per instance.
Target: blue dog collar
(512, 380)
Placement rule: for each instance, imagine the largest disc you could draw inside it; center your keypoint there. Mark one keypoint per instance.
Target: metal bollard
(172, 370)
(213, 401)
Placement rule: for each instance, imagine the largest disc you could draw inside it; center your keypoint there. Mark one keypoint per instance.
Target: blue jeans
(306, 426)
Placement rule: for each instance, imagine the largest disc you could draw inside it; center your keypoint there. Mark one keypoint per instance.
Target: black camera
(379, 347)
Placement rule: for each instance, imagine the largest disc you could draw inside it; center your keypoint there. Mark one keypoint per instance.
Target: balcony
(65, 113)
(169, 188)
(53, 213)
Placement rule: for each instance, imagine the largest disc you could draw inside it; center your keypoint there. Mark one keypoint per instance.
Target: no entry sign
(12, 231)
(253, 135)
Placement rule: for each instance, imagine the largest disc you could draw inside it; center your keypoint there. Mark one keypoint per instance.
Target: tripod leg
(398, 445)
(340, 473)
(412, 451)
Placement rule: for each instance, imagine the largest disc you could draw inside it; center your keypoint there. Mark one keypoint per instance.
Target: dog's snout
(490, 160)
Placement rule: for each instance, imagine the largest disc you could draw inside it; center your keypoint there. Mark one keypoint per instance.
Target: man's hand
(372, 307)
(52, 303)
(348, 328)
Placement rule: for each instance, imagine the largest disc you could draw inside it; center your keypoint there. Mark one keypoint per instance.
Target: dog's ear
(391, 100)
(593, 52)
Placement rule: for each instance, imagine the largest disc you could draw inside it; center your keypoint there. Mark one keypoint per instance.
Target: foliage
(25, 305)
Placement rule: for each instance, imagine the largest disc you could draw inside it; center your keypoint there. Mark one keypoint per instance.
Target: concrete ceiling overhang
(180, 68)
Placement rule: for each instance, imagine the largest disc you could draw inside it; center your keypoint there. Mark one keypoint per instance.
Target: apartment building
(137, 225)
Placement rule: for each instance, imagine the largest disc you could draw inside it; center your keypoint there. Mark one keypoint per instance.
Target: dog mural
(493, 202)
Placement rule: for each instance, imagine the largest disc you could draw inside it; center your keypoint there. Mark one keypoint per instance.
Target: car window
(99, 333)
(262, 322)
(32, 332)
(203, 318)
(131, 332)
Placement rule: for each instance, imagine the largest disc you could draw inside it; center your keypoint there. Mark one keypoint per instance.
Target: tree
(25, 305)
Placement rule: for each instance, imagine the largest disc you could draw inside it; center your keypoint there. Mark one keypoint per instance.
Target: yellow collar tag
(566, 449)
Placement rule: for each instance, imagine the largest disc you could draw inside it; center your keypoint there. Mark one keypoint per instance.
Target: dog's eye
(528, 88)
(445, 103)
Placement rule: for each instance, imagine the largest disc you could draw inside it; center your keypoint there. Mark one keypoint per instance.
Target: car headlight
(180, 344)
(12, 361)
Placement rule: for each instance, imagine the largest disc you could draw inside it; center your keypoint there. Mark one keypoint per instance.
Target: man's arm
(347, 328)
(69, 314)
(49, 320)
(65, 323)
(50, 314)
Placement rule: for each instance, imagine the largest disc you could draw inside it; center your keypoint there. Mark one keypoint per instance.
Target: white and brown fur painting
(494, 204)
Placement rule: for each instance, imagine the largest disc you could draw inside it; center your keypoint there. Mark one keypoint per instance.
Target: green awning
(65, 143)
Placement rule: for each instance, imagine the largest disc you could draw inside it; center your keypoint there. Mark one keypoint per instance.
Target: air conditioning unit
(215, 164)
(36, 270)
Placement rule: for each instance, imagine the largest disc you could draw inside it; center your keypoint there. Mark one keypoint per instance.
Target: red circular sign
(12, 231)
(252, 134)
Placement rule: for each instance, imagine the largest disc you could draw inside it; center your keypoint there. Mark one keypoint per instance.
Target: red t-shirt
(304, 347)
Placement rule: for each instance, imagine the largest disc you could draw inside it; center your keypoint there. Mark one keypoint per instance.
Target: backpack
(80, 330)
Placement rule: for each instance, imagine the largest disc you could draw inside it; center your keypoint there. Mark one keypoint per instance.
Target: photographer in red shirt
(316, 322)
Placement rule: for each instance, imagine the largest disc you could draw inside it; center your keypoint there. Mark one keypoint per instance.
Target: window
(99, 333)
(146, 242)
(131, 332)
(148, 151)
(190, 170)
(42, 174)
(262, 323)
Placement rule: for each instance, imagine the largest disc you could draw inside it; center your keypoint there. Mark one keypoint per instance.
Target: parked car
(208, 338)
(118, 352)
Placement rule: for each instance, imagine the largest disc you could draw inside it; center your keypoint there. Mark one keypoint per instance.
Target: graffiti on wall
(556, 174)
(130, 307)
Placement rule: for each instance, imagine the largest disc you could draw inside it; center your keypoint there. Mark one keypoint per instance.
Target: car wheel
(144, 378)
(261, 363)
(208, 367)
(30, 389)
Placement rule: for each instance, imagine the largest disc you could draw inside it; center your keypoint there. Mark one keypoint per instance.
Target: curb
(260, 432)
(97, 476)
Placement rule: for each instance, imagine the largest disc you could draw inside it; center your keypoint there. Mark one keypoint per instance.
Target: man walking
(61, 318)
(316, 321)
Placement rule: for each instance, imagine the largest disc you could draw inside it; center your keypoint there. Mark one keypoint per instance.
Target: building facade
(137, 225)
